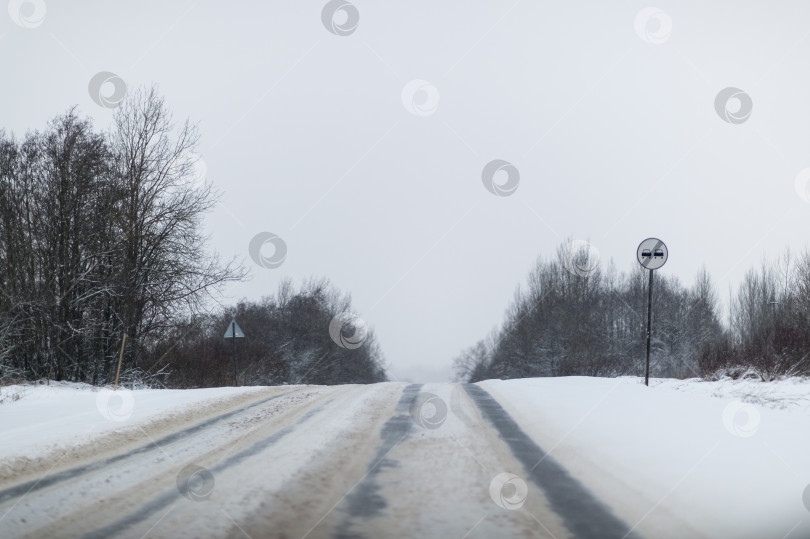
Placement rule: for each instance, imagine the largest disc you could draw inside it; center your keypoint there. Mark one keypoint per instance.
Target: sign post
(651, 254)
(234, 332)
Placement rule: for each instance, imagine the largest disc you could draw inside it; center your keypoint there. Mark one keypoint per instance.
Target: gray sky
(607, 110)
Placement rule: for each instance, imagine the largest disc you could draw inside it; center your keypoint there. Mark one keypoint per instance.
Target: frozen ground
(549, 457)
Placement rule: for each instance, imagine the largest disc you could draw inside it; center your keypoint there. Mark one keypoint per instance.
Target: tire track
(170, 496)
(33, 486)
(582, 513)
(364, 502)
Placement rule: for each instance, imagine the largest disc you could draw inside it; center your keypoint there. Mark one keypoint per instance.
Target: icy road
(573, 457)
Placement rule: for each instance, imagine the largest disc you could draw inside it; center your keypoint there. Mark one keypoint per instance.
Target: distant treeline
(287, 340)
(576, 318)
(101, 237)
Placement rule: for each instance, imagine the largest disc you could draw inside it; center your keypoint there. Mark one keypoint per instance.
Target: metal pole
(233, 338)
(649, 323)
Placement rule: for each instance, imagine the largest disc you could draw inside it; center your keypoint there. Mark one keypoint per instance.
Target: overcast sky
(362, 146)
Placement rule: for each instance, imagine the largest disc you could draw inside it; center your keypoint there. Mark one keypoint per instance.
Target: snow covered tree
(100, 234)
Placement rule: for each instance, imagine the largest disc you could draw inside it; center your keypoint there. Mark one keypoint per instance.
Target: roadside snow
(38, 419)
(681, 458)
(790, 393)
(723, 459)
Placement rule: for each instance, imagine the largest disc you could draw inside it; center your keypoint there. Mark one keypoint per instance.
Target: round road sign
(652, 253)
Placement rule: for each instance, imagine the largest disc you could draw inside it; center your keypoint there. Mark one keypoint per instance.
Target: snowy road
(385, 460)
(314, 462)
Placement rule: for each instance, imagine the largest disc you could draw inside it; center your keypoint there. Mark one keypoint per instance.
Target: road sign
(233, 330)
(652, 253)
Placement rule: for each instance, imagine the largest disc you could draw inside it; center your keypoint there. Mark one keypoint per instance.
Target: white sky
(306, 134)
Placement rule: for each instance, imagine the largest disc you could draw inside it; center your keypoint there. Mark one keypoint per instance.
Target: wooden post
(120, 357)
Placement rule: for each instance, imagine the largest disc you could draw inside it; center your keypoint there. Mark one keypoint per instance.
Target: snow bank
(38, 419)
(724, 459)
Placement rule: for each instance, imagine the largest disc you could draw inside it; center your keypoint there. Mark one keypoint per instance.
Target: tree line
(769, 323)
(287, 340)
(576, 318)
(101, 237)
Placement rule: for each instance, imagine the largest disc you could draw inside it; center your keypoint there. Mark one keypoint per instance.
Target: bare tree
(100, 234)
(164, 265)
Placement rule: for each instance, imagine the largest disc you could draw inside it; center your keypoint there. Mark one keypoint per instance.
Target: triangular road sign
(233, 327)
